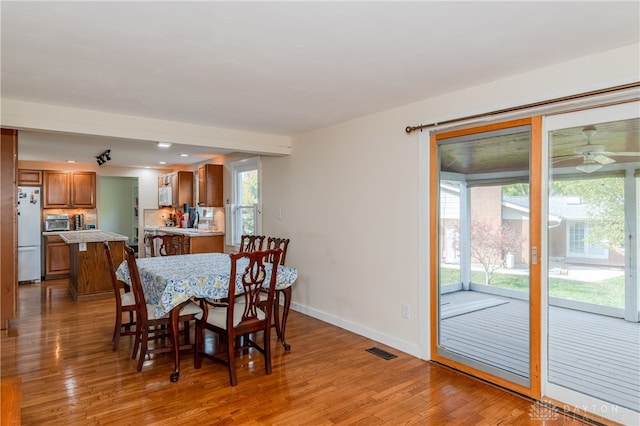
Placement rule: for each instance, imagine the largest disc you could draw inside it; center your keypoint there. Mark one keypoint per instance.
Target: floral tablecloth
(170, 280)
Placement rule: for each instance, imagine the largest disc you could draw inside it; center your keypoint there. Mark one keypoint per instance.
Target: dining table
(170, 281)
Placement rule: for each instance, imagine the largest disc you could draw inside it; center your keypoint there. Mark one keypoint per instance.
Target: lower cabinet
(204, 244)
(56, 258)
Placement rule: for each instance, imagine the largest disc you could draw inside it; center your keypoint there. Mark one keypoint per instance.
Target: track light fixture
(104, 157)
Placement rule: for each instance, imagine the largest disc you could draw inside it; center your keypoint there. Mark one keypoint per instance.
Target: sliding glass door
(592, 299)
(535, 260)
(486, 285)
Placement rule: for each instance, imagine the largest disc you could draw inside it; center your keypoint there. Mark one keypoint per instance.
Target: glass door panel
(593, 334)
(482, 287)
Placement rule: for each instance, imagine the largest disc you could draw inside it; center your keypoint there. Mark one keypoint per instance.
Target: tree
(603, 199)
(516, 189)
(490, 245)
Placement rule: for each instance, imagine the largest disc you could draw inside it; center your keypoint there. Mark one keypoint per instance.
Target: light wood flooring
(60, 351)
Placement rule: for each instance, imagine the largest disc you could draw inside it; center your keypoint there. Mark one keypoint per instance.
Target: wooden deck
(592, 354)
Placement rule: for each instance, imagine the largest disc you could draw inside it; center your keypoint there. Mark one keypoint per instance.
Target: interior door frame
(535, 179)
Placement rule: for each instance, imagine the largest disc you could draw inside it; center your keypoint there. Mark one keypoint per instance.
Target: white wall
(354, 200)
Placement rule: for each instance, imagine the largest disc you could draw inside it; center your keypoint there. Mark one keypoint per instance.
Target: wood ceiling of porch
(510, 153)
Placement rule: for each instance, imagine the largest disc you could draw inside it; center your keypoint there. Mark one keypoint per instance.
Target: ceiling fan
(594, 156)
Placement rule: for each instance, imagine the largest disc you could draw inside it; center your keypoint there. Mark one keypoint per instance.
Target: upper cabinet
(210, 185)
(181, 189)
(29, 177)
(83, 190)
(56, 189)
(69, 189)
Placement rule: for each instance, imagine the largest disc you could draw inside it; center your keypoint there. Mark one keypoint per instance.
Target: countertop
(92, 236)
(45, 233)
(191, 232)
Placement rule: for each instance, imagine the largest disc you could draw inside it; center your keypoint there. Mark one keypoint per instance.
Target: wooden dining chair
(274, 243)
(165, 244)
(125, 303)
(149, 327)
(233, 320)
(251, 243)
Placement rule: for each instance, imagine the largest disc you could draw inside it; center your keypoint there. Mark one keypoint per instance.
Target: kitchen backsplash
(210, 218)
(157, 217)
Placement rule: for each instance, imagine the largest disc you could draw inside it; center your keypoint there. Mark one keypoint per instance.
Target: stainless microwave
(57, 222)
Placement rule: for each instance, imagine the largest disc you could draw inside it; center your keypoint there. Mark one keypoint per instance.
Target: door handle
(534, 255)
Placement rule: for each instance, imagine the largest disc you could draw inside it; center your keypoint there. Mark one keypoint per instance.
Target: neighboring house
(568, 233)
(567, 223)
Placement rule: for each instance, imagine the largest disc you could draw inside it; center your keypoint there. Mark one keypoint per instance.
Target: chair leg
(285, 314)
(143, 348)
(198, 346)
(187, 334)
(276, 312)
(231, 354)
(116, 331)
(130, 323)
(136, 343)
(267, 350)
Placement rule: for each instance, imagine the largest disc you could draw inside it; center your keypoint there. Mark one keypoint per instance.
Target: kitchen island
(89, 269)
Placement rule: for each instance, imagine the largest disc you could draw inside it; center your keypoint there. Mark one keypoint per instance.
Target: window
(579, 243)
(576, 238)
(246, 207)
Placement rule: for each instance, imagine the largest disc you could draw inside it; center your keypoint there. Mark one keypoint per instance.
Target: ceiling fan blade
(603, 159)
(620, 154)
(564, 158)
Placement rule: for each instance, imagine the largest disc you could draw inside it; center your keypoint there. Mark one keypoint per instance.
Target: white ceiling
(280, 67)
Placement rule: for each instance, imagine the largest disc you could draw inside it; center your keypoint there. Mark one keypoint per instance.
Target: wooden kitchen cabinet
(181, 184)
(28, 177)
(56, 257)
(210, 185)
(83, 190)
(203, 244)
(69, 189)
(56, 189)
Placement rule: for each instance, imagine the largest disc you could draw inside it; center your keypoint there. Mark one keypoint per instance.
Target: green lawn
(609, 292)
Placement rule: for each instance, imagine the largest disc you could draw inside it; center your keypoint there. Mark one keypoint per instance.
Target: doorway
(592, 339)
(535, 264)
(485, 288)
(118, 206)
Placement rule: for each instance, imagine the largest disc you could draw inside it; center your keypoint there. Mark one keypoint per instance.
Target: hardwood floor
(61, 352)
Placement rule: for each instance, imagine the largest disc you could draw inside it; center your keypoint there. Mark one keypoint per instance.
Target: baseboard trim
(387, 340)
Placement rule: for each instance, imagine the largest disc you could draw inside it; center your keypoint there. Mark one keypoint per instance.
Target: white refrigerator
(29, 234)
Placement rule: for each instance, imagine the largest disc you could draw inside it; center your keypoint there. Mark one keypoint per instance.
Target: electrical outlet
(405, 311)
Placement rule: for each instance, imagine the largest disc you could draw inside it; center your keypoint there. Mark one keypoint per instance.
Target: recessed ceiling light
(184, 155)
(163, 162)
(71, 161)
(164, 144)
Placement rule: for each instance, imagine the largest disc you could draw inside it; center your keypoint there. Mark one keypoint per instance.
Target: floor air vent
(381, 353)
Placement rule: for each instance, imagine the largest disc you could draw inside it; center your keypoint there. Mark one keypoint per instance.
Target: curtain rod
(410, 129)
